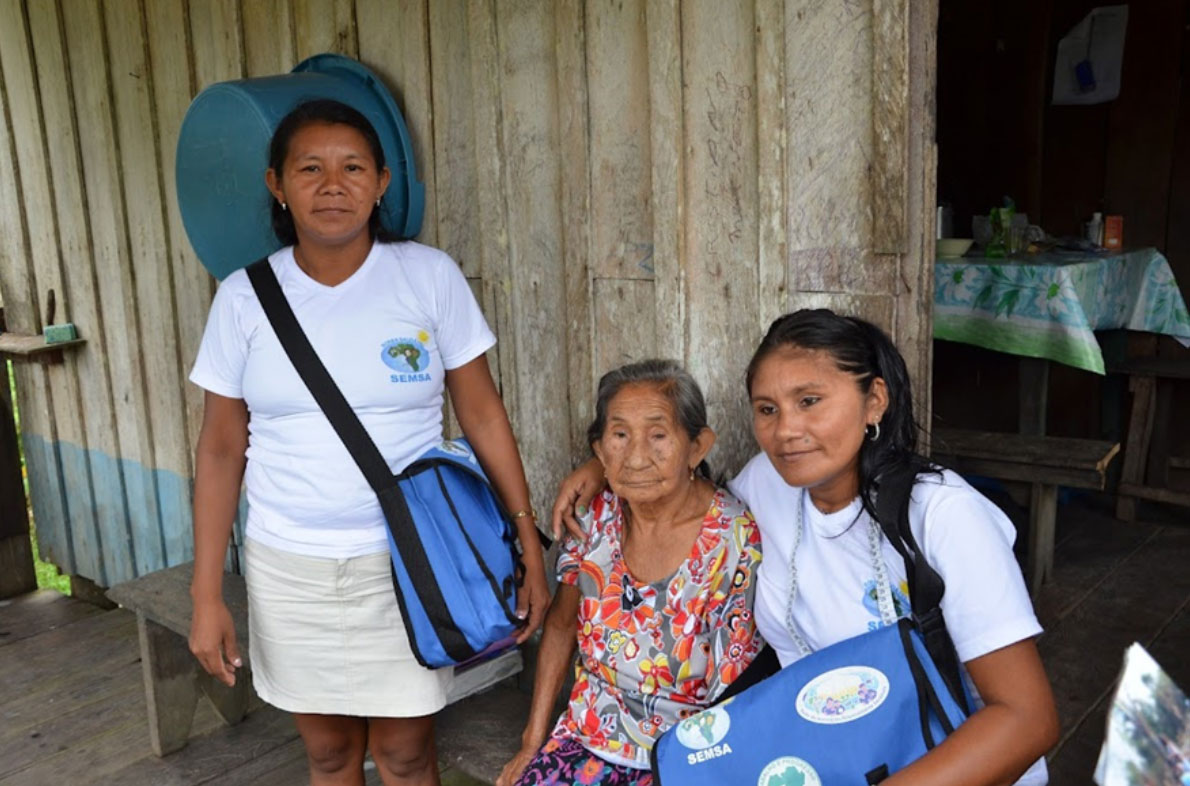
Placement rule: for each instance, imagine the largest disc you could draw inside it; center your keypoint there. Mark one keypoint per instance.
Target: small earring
(692, 478)
(377, 203)
(874, 434)
(284, 206)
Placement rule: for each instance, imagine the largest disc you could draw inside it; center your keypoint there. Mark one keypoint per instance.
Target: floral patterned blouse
(652, 654)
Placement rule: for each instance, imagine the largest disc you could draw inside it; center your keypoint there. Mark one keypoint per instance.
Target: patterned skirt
(565, 762)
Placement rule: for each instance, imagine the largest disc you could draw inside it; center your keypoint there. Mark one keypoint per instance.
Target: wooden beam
(1043, 517)
(20, 345)
(1026, 449)
(1058, 461)
(1169, 496)
(1026, 473)
(17, 575)
(1140, 427)
(171, 691)
(1167, 367)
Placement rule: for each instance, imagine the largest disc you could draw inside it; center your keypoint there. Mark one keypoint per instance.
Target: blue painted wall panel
(80, 512)
(45, 494)
(144, 518)
(177, 516)
(107, 519)
(110, 510)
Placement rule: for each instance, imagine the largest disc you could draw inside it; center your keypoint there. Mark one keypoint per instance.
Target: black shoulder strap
(371, 462)
(310, 368)
(926, 587)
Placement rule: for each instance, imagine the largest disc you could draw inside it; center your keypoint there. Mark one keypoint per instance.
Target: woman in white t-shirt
(832, 411)
(396, 324)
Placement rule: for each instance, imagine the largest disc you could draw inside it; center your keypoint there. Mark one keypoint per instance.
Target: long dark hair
(865, 351)
(330, 112)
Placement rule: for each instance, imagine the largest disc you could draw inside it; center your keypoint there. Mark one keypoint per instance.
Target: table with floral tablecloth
(1048, 306)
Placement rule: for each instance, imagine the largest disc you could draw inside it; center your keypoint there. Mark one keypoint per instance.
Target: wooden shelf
(21, 346)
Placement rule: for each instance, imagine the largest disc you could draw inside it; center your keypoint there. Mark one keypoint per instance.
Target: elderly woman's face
(329, 182)
(646, 453)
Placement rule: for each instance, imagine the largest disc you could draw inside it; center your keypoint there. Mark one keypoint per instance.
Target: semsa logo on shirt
(408, 356)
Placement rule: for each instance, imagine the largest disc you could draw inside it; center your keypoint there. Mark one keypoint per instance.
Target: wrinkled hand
(532, 601)
(574, 497)
(213, 641)
(516, 765)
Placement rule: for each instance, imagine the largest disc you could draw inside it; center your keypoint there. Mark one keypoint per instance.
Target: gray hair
(673, 381)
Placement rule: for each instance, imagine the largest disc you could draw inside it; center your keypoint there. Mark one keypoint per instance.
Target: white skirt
(326, 637)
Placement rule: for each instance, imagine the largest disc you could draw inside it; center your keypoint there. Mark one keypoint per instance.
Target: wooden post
(16, 551)
(1043, 516)
(1140, 429)
(1161, 439)
(231, 704)
(1043, 499)
(171, 687)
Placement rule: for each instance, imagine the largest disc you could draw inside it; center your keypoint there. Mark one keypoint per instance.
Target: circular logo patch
(842, 695)
(705, 729)
(788, 771)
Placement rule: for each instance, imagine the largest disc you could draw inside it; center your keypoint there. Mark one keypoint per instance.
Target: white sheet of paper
(1098, 38)
(1148, 728)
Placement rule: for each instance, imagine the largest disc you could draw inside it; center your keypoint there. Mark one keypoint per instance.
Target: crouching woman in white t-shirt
(832, 411)
(395, 324)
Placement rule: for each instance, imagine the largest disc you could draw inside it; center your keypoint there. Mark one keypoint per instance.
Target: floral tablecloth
(1049, 306)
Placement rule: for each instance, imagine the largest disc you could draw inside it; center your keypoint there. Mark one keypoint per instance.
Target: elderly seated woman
(658, 598)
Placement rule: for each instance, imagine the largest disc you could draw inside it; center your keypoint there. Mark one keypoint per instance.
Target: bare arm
(999, 742)
(218, 473)
(484, 421)
(553, 660)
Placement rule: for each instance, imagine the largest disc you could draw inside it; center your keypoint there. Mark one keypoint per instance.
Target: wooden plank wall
(618, 180)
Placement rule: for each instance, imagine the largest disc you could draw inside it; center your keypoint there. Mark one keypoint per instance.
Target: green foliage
(48, 576)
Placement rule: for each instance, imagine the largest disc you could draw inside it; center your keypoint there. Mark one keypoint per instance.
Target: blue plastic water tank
(223, 154)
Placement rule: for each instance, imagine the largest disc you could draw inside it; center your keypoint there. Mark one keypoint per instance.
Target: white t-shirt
(966, 539)
(387, 335)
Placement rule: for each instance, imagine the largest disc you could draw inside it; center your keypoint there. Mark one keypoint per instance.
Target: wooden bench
(1047, 462)
(1145, 474)
(173, 679)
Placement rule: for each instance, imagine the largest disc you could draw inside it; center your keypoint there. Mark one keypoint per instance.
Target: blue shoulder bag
(851, 713)
(455, 563)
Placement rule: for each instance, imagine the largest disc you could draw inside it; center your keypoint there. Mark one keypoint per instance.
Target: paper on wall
(1090, 58)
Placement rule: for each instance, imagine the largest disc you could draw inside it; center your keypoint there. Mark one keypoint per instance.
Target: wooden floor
(1114, 584)
(72, 709)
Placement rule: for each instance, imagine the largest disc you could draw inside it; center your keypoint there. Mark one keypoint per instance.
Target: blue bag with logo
(851, 713)
(455, 564)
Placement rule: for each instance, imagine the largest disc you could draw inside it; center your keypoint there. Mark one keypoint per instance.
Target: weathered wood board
(618, 180)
